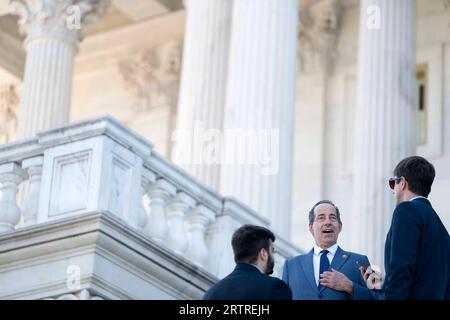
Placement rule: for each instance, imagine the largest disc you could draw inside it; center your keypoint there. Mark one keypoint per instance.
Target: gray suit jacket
(298, 274)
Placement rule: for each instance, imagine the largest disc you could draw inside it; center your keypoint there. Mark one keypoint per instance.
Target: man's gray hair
(311, 212)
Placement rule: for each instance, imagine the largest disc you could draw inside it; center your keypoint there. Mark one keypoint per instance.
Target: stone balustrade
(101, 166)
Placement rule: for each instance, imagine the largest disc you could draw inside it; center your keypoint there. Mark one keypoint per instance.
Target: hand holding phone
(364, 268)
(362, 264)
(371, 275)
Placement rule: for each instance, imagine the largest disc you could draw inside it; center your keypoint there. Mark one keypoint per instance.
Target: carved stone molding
(80, 295)
(447, 8)
(153, 75)
(62, 19)
(319, 27)
(9, 105)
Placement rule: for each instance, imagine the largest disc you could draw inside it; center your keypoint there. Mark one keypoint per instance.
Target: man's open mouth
(327, 231)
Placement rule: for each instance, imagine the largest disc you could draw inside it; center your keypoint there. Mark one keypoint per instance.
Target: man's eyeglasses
(393, 181)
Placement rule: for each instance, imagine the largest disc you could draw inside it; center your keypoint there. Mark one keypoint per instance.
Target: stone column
(259, 109)
(30, 204)
(158, 195)
(53, 30)
(385, 117)
(11, 175)
(147, 179)
(198, 222)
(176, 211)
(203, 84)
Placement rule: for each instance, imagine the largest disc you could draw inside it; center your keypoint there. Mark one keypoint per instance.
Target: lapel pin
(344, 256)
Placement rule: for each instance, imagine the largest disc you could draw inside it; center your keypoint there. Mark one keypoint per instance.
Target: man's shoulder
(354, 255)
(229, 281)
(212, 292)
(419, 204)
(421, 210)
(273, 280)
(297, 259)
(358, 256)
(278, 285)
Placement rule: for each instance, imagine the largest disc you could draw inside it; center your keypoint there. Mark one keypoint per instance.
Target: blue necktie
(324, 265)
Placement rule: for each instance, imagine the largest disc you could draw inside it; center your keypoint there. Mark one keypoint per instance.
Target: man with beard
(311, 276)
(253, 253)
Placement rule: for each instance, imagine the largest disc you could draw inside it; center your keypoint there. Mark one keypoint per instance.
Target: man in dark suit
(253, 253)
(417, 249)
(312, 275)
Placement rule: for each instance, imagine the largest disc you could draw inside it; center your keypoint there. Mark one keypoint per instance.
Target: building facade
(278, 104)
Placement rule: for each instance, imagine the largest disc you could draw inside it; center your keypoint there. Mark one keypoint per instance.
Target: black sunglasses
(394, 180)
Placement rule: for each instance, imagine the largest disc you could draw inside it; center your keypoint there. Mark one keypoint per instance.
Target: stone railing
(99, 165)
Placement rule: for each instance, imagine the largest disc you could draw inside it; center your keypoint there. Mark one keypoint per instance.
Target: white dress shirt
(417, 198)
(316, 258)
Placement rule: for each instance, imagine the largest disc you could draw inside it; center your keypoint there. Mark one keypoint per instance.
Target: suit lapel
(308, 269)
(338, 261)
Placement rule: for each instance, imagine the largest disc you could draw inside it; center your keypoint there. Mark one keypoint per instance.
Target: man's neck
(325, 246)
(410, 195)
(257, 265)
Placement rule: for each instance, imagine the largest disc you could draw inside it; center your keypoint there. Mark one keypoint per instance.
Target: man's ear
(405, 185)
(262, 254)
(311, 229)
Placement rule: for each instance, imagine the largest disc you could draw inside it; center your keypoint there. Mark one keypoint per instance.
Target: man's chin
(329, 238)
(329, 242)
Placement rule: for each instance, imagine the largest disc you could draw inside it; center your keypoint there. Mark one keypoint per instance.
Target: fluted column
(260, 102)
(385, 116)
(11, 175)
(53, 30)
(203, 84)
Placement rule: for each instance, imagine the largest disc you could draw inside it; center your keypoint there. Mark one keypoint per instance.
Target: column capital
(202, 214)
(33, 162)
(148, 177)
(180, 202)
(57, 19)
(12, 171)
(162, 189)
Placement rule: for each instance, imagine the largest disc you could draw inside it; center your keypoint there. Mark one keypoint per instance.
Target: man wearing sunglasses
(417, 249)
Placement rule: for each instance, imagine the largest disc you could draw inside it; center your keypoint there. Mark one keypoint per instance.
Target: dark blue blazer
(417, 254)
(246, 282)
(298, 273)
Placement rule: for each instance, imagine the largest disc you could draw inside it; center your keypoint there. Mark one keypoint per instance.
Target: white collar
(257, 267)
(418, 197)
(331, 249)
